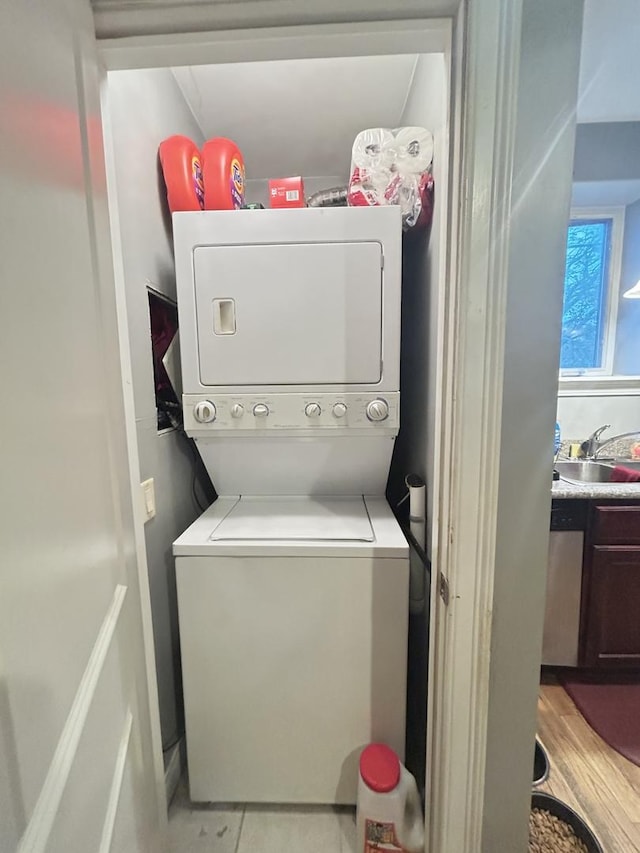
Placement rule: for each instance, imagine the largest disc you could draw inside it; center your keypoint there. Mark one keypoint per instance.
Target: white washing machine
(293, 631)
(292, 586)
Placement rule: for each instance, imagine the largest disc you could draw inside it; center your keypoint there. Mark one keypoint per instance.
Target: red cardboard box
(286, 192)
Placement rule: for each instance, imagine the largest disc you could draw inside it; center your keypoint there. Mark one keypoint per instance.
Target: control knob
(378, 410)
(339, 410)
(237, 410)
(204, 412)
(312, 410)
(260, 410)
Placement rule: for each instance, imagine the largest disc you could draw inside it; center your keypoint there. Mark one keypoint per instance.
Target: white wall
(609, 62)
(607, 151)
(627, 356)
(144, 108)
(579, 415)
(297, 117)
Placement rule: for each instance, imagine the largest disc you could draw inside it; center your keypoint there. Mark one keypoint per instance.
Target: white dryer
(292, 593)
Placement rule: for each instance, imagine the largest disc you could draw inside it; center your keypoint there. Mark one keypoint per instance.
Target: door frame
(131, 438)
(485, 49)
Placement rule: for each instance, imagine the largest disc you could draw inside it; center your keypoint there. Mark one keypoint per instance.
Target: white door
(78, 770)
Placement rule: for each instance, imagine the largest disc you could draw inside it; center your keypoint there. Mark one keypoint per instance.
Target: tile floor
(269, 829)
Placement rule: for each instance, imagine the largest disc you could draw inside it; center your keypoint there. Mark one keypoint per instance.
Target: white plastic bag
(394, 167)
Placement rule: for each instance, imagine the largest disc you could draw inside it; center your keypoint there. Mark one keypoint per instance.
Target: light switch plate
(148, 498)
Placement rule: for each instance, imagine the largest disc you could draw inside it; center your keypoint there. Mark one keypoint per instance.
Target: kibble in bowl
(555, 828)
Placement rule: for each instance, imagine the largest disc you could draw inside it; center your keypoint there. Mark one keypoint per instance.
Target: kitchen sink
(586, 471)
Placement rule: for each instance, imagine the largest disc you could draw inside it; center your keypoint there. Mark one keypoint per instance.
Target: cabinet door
(612, 637)
(616, 525)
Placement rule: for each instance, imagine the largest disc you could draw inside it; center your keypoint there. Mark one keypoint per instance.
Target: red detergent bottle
(224, 176)
(182, 170)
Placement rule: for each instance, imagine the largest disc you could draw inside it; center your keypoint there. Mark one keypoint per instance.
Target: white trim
(472, 414)
(38, 829)
(116, 786)
(448, 196)
(436, 755)
(301, 42)
(121, 18)
(616, 215)
(383, 38)
(473, 361)
(131, 434)
(610, 386)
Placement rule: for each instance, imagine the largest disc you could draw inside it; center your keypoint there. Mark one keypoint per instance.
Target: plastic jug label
(236, 185)
(198, 181)
(380, 836)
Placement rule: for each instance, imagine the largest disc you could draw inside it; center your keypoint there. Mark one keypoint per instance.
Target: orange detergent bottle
(182, 171)
(223, 171)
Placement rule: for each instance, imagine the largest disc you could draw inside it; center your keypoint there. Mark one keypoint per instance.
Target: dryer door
(289, 314)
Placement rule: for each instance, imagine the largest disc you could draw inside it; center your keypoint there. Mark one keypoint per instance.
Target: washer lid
(298, 518)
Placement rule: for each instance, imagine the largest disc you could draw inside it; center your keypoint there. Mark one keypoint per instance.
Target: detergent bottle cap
(380, 768)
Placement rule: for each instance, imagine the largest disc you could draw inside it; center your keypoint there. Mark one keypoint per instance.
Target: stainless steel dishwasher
(564, 583)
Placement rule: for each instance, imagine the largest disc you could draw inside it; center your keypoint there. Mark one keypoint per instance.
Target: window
(591, 293)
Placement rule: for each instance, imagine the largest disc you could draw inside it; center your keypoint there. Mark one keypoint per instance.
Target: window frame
(616, 215)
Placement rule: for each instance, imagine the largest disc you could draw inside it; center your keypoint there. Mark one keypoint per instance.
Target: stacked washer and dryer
(293, 586)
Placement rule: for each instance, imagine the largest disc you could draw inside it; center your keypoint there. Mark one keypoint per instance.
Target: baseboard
(174, 768)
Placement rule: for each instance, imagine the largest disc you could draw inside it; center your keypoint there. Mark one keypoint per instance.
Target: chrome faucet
(591, 446)
(602, 444)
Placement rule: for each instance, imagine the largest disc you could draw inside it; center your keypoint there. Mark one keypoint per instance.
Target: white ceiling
(297, 117)
(605, 193)
(609, 87)
(301, 116)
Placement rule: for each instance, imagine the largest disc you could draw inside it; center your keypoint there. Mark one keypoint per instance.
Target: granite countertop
(570, 489)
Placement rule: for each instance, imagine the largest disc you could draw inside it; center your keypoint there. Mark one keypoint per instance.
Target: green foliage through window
(584, 313)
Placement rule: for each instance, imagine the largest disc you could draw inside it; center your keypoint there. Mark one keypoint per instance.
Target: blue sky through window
(584, 313)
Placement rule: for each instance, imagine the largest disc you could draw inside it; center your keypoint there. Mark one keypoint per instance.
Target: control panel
(298, 412)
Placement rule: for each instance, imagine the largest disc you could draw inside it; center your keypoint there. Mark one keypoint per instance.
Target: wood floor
(598, 783)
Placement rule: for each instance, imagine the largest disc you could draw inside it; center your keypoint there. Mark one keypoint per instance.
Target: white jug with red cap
(389, 812)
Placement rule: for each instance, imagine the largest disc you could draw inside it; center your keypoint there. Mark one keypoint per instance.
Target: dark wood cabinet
(615, 525)
(610, 611)
(612, 636)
